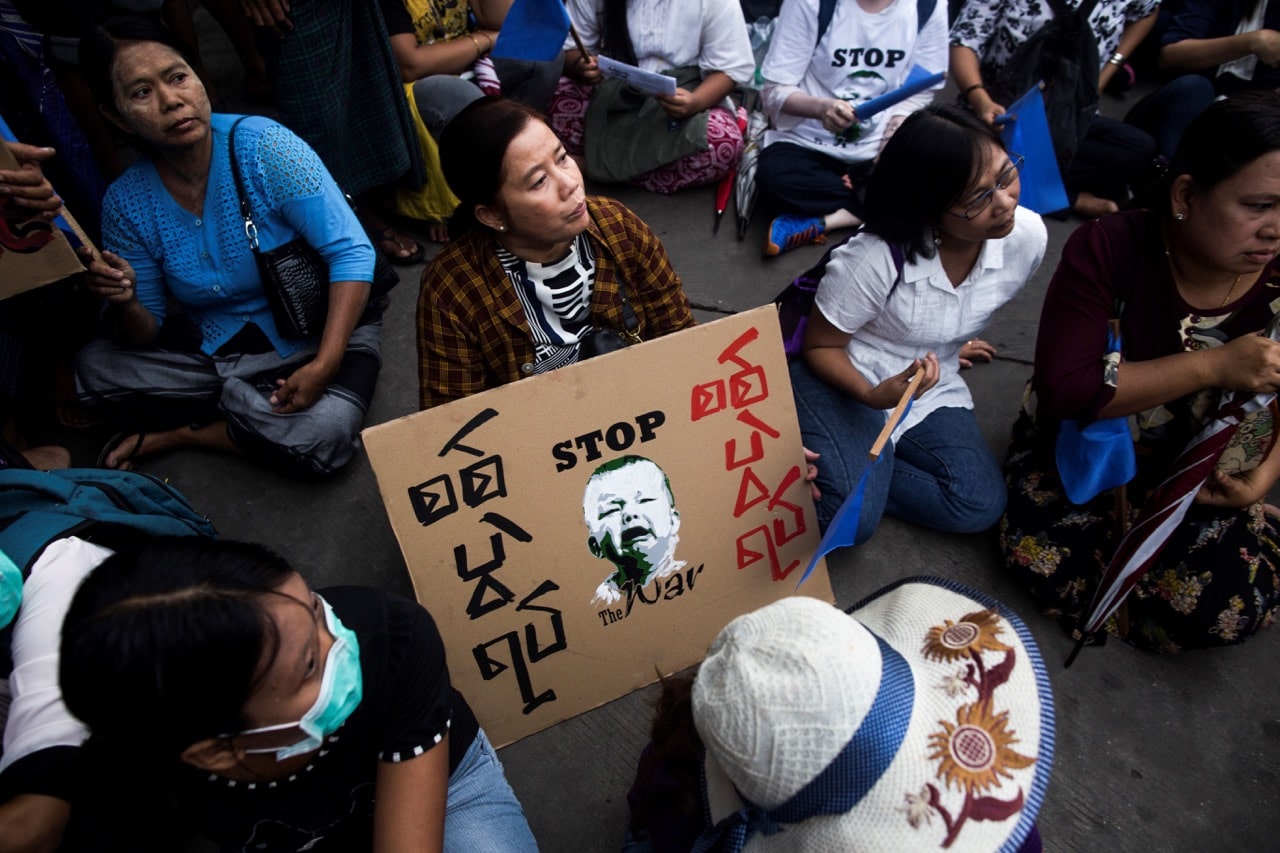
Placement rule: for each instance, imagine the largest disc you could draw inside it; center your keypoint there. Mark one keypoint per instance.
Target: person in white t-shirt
(819, 152)
(945, 246)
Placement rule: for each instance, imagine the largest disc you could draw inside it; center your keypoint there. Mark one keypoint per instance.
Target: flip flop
(114, 442)
(389, 235)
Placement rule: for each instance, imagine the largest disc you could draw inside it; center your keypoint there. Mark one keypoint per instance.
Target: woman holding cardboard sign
(945, 245)
(263, 715)
(542, 275)
(175, 228)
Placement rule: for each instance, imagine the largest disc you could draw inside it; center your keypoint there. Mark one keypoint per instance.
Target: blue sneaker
(789, 232)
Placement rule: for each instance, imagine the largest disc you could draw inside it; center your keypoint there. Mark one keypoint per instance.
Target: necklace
(1173, 268)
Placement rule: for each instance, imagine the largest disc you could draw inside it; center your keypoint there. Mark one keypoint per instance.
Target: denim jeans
(483, 814)
(939, 474)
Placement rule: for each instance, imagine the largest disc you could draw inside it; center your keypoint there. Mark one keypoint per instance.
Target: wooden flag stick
(79, 232)
(877, 446)
(577, 39)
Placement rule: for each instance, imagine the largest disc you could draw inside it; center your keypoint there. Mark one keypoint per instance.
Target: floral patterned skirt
(1216, 582)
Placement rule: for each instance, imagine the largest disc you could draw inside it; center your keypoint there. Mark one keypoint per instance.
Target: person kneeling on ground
(944, 247)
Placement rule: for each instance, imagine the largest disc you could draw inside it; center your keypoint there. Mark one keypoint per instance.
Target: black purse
(295, 278)
(599, 341)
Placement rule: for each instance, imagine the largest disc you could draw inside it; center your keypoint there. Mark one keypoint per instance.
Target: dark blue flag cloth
(533, 30)
(844, 526)
(917, 80)
(1026, 132)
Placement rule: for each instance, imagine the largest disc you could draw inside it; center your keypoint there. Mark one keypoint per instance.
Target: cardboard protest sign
(33, 251)
(580, 531)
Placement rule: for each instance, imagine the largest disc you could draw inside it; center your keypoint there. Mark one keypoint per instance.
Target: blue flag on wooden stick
(1026, 132)
(843, 528)
(533, 30)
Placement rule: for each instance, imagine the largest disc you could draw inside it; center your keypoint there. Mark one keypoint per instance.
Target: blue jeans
(483, 814)
(939, 474)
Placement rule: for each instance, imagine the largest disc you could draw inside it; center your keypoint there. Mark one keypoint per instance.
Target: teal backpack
(112, 508)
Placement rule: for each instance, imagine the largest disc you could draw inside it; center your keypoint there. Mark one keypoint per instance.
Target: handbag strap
(250, 229)
(629, 319)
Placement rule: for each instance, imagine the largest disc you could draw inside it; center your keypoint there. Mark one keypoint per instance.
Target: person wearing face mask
(264, 715)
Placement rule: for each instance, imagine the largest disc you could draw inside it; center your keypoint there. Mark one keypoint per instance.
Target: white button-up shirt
(666, 34)
(892, 326)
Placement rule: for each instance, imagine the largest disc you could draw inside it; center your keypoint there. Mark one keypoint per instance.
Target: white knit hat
(926, 718)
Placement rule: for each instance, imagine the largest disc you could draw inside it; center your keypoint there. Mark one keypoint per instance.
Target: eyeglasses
(1003, 181)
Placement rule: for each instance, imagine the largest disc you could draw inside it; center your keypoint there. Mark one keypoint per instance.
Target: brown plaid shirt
(473, 334)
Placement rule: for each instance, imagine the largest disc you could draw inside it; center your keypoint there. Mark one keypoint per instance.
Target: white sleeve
(38, 719)
(857, 283)
(795, 37)
(585, 15)
(726, 46)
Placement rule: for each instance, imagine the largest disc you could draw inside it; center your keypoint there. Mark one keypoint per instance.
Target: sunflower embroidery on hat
(975, 752)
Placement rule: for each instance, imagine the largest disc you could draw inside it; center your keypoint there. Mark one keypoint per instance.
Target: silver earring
(502, 228)
(1179, 216)
(937, 237)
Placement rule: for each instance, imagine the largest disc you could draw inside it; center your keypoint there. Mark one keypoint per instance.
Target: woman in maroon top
(1192, 282)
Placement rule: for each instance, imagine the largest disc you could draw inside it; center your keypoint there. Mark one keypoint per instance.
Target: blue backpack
(110, 507)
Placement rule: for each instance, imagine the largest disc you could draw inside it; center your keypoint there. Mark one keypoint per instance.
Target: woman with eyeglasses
(232, 707)
(944, 246)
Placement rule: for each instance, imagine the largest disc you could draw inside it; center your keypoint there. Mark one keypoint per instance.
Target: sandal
(114, 442)
(398, 243)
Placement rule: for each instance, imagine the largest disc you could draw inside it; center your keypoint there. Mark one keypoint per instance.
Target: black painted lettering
(855, 55)
(674, 587)
(591, 443)
(838, 59)
(649, 423)
(620, 436)
(873, 57)
(564, 453)
(895, 56)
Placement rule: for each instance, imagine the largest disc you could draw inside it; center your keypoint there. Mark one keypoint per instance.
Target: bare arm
(113, 280)
(967, 72)
(712, 90)
(443, 57)
(1132, 36)
(305, 385)
(408, 814)
(825, 354)
(1201, 54)
(490, 13)
(1248, 363)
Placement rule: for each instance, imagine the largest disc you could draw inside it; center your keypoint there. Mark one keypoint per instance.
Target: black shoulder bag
(294, 277)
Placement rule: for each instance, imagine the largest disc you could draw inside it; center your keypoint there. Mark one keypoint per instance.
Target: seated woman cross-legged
(540, 271)
(228, 379)
(945, 245)
(1192, 281)
(227, 701)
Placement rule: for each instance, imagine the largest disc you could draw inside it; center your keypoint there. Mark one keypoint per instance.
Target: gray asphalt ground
(1153, 753)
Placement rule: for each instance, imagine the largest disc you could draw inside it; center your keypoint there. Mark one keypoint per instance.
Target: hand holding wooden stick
(895, 417)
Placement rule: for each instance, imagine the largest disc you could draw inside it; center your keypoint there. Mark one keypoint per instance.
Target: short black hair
(472, 147)
(923, 170)
(99, 47)
(1225, 138)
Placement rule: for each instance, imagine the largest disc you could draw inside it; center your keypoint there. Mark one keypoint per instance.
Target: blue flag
(1026, 132)
(533, 30)
(844, 526)
(917, 80)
